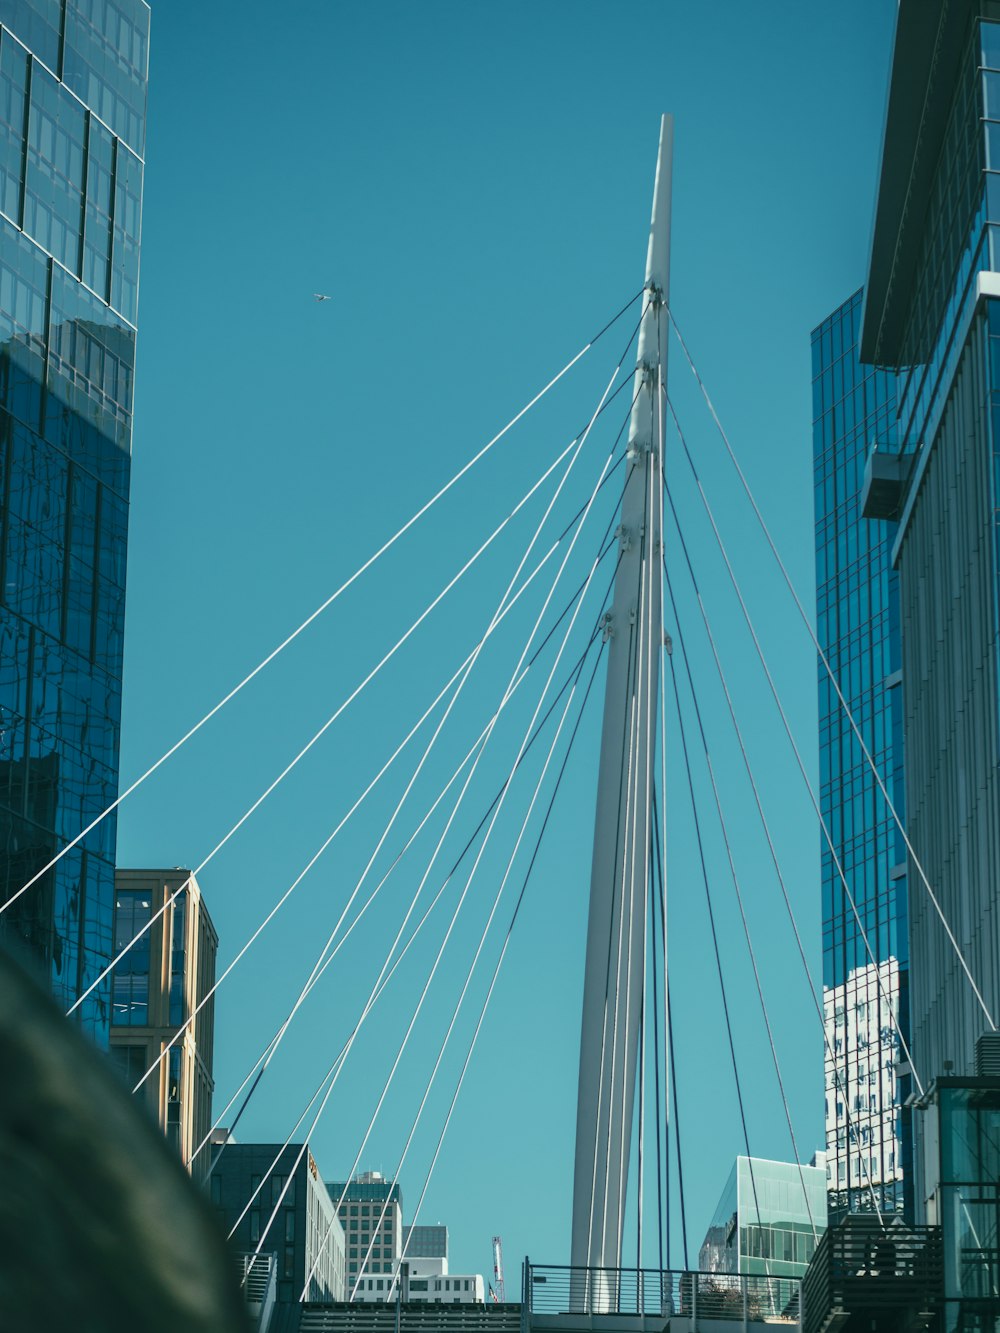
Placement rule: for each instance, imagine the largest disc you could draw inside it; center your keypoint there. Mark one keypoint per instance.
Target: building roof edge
(927, 46)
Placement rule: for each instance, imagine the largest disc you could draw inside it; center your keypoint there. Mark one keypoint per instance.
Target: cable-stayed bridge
(590, 606)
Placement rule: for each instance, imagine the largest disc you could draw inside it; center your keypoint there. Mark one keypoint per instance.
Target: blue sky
(471, 184)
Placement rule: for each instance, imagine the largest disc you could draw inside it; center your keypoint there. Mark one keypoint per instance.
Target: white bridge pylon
(615, 961)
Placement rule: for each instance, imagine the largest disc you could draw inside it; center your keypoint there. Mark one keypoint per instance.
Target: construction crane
(498, 1288)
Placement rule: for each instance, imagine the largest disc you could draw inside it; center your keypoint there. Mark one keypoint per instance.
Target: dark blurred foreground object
(101, 1229)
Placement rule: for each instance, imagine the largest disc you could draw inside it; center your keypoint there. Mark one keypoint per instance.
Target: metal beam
(613, 974)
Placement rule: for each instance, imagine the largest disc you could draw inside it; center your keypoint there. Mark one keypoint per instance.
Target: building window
(131, 1063)
(130, 985)
(178, 961)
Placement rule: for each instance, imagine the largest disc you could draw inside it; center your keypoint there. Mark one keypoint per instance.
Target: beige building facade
(156, 988)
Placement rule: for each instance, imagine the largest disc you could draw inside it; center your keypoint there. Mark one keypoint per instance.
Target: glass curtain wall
(72, 123)
(864, 908)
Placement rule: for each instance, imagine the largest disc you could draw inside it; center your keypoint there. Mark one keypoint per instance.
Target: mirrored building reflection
(864, 873)
(72, 126)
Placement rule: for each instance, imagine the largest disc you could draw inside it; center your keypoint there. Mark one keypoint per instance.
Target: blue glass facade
(865, 994)
(72, 124)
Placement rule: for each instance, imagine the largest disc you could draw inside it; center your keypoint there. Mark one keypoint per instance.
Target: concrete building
(864, 880)
(305, 1236)
(769, 1219)
(156, 988)
(370, 1212)
(72, 136)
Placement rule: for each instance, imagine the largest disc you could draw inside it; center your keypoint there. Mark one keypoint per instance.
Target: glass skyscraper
(865, 992)
(932, 315)
(72, 128)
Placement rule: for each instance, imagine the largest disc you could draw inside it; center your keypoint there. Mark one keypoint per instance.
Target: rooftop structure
(425, 1242)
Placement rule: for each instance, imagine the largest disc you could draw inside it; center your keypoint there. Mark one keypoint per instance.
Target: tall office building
(932, 313)
(72, 128)
(361, 1206)
(865, 984)
(162, 980)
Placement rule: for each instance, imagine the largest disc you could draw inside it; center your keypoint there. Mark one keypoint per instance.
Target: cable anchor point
(656, 300)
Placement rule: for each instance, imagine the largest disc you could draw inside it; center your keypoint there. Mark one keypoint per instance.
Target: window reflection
(73, 184)
(130, 980)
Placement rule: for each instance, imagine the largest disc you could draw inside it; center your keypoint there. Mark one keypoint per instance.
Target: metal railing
(554, 1289)
(862, 1267)
(410, 1317)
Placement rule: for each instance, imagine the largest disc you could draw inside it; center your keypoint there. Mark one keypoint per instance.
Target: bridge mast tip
(658, 255)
